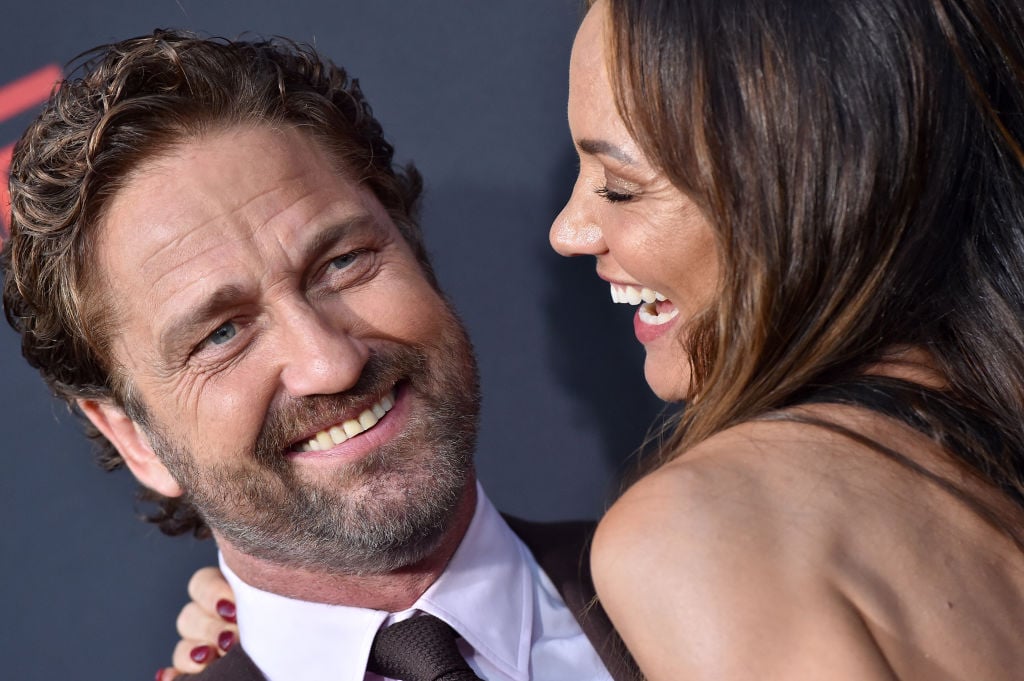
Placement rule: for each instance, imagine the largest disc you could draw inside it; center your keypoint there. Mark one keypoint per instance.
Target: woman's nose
(574, 231)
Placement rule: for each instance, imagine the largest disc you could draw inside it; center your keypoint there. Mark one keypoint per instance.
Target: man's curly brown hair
(123, 104)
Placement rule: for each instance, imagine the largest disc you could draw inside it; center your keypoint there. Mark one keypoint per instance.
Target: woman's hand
(206, 625)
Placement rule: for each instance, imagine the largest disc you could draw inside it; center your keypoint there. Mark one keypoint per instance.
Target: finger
(167, 674)
(210, 590)
(196, 624)
(191, 657)
(226, 639)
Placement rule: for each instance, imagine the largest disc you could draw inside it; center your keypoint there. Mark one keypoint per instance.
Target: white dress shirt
(514, 624)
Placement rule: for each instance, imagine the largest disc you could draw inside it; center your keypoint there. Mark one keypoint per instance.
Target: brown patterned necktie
(419, 649)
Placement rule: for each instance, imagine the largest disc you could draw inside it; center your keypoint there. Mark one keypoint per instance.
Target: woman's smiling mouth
(653, 308)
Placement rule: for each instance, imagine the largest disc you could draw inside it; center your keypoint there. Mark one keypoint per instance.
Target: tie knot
(419, 649)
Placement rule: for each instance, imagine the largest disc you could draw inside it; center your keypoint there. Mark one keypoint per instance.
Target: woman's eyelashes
(612, 195)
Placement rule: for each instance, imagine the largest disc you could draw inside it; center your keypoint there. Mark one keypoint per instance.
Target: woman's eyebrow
(595, 147)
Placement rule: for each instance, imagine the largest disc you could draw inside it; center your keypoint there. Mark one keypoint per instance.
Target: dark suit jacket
(561, 549)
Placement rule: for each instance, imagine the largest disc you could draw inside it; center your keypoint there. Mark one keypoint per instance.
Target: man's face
(303, 382)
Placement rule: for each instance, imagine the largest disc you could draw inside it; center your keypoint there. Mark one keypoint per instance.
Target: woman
(828, 196)
(823, 206)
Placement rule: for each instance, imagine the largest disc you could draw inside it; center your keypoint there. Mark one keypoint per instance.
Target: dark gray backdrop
(474, 93)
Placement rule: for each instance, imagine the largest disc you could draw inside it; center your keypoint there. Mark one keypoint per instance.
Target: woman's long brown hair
(861, 163)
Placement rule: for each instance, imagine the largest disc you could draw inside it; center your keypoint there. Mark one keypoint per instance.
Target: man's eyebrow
(595, 147)
(333, 233)
(185, 324)
(229, 295)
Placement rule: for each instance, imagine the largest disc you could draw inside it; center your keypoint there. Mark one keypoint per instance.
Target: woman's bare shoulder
(796, 483)
(780, 544)
(773, 481)
(725, 554)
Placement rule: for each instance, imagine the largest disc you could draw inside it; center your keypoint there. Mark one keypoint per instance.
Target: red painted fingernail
(226, 610)
(225, 640)
(200, 654)
(159, 675)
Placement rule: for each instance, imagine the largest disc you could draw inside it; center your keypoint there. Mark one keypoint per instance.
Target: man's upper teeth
(337, 434)
(634, 295)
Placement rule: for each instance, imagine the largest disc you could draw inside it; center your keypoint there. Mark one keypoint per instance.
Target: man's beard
(387, 510)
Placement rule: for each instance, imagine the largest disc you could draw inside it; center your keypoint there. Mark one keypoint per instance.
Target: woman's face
(653, 245)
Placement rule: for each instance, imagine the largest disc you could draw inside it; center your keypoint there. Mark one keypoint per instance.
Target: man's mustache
(289, 422)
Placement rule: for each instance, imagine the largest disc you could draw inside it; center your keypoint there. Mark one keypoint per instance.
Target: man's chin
(355, 546)
(371, 521)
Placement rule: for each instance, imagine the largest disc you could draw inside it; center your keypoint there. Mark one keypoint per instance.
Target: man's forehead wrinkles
(181, 243)
(214, 233)
(182, 255)
(270, 221)
(286, 183)
(226, 215)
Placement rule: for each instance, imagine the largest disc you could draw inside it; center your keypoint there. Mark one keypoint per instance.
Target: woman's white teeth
(648, 314)
(335, 435)
(648, 300)
(634, 295)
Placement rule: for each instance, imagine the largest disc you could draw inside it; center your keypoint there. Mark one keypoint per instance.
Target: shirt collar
(485, 593)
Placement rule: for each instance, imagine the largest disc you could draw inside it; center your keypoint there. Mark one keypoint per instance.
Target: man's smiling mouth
(339, 433)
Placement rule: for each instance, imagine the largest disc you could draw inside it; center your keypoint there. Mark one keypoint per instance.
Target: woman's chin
(669, 382)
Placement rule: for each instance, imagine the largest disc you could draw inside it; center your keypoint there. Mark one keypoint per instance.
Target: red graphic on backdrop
(17, 97)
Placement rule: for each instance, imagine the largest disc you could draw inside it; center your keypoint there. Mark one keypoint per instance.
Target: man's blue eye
(343, 261)
(223, 334)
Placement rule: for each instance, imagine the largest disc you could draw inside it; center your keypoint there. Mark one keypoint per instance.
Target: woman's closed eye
(612, 195)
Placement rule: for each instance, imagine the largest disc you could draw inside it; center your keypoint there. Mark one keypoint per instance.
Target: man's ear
(133, 445)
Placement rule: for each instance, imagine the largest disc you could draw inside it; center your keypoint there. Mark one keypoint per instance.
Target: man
(213, 258)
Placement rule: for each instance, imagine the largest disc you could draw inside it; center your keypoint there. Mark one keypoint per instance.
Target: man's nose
(574, 231)
(321, 356)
